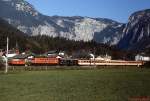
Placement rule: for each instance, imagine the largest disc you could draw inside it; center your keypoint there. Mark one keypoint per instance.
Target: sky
(118, 10)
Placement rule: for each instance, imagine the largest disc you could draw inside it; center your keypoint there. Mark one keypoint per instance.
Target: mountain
(41, 44)
(136, 35)
(27, 19)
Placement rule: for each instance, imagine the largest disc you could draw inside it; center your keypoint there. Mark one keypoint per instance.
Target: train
(47, 61)
(109, 63)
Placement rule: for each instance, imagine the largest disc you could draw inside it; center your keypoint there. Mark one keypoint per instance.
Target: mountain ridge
(26, 18)
(136, 35)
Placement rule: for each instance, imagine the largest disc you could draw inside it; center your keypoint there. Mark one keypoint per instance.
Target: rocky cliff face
(136, 35)
(27, 19)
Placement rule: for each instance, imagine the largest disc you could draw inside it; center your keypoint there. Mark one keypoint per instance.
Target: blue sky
(118, 10)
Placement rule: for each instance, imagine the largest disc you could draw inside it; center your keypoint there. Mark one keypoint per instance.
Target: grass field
(75, 85)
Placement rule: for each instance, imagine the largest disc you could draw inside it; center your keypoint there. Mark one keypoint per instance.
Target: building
(105, 58)
(11, 53)
(51, 53)
(142, 58)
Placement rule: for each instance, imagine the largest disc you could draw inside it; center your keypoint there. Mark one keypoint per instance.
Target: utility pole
(6, 68)
(94, 57)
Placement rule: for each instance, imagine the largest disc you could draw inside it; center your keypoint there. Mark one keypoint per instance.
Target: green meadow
(75, 85)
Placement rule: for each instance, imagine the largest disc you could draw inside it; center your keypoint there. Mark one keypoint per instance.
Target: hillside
(136, 35)
(27, 19)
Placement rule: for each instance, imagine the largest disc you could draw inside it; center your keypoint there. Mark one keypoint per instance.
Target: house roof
(52, 52)
(22, 56)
